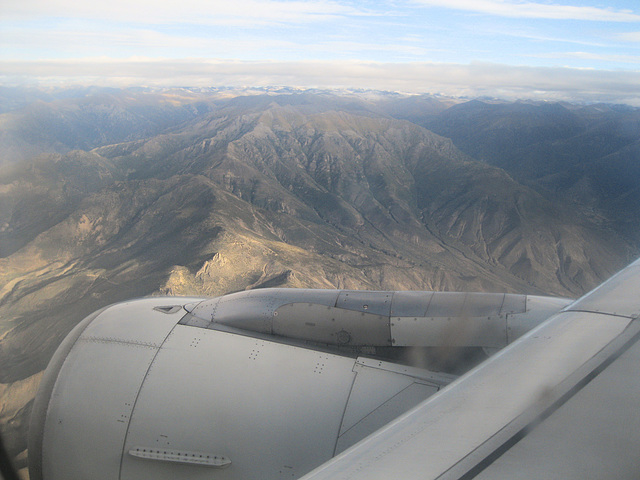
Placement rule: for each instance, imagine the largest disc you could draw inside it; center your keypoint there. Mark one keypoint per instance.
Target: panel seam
(135, 402)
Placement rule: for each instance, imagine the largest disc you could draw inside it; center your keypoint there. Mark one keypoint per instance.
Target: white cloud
(618, 58)
(204, 12)
(629, 36)
(79, 40)
(547, 38)
(518, 9)
(449, 79)
(350, 47)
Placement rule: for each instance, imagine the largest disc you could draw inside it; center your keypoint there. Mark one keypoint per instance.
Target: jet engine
(261, 384)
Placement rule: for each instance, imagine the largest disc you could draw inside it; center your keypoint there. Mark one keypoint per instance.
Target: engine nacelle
(369, 318)
(145, 389)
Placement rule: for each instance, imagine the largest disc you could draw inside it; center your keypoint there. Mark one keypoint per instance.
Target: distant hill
(87, 118)
(588, 155)
(114, 195)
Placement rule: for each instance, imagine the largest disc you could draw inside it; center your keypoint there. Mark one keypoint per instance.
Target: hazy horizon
(509, 49)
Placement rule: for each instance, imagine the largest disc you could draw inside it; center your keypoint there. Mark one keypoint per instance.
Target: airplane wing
(563, 401)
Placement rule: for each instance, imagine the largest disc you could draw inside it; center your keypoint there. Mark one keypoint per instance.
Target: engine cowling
(177, 388)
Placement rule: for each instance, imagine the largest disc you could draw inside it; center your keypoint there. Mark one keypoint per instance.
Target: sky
(584, 50)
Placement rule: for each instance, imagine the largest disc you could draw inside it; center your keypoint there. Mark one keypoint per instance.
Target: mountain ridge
(269, 191)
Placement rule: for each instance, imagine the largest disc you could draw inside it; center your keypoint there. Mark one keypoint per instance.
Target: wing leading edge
(561, 402)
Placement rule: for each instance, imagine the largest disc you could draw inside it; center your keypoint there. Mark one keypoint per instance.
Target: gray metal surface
(566, 373)
(164, 454)
(253, 309)
(537, 310)
(388, 410)
(448, 428)
(410, 304)
(513, 304)
(485, 304)
(87, 428)
(43, 396)
(371, 407)
(488, 320)
(618, 296)
(367, 395)
(86, 411)
(446, 304)
(594, 435)
(449, 331)
(144, 390)
(134, 394)
(251, 401)
(377, 303)
(337, 326)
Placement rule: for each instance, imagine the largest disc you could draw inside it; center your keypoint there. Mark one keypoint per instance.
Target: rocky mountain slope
(296, 190)
(586, 155)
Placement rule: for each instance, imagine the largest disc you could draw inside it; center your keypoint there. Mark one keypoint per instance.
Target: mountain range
(111, 194)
